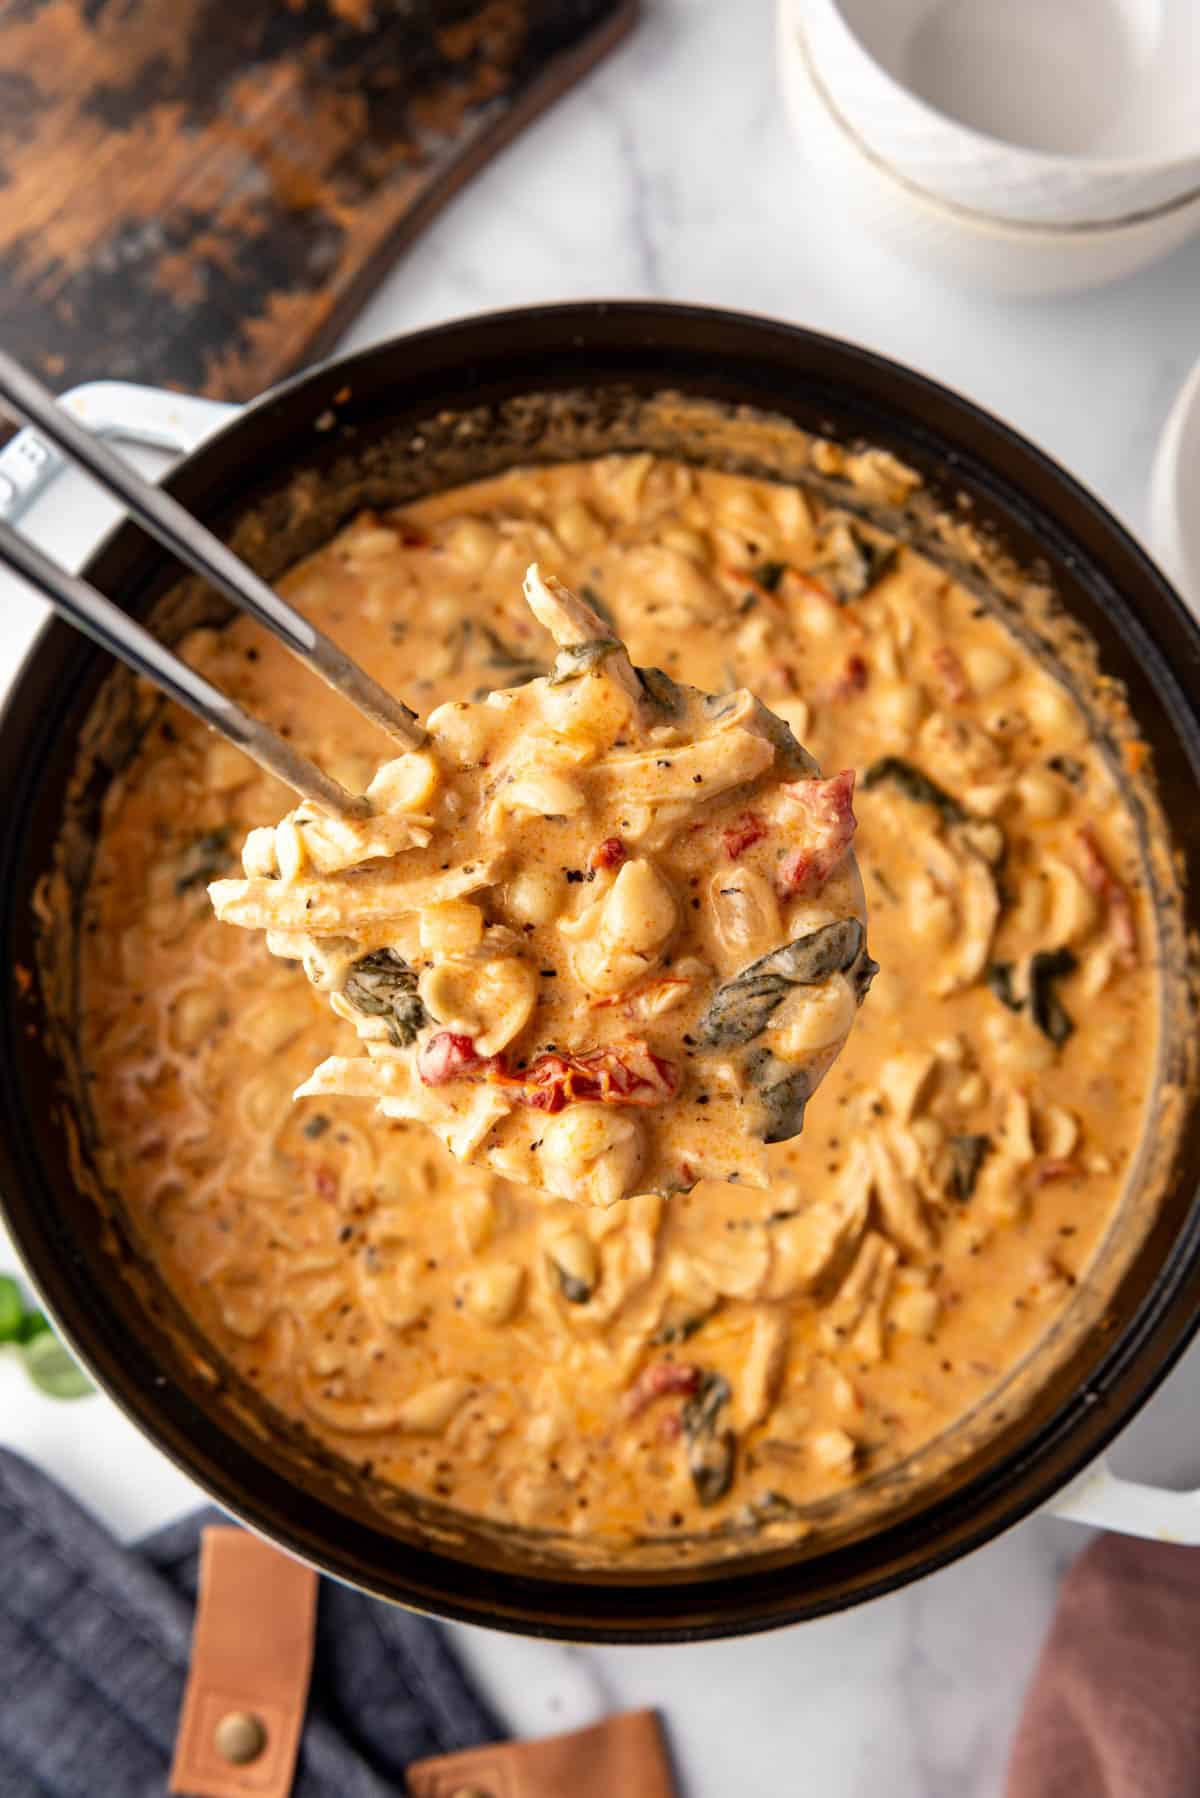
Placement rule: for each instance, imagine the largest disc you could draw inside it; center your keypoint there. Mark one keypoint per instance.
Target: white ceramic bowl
(1175, 493)
(954, 242)
(1036, 111)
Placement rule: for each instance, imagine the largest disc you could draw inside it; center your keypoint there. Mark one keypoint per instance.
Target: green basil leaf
(12, 1309)
(53, 1371)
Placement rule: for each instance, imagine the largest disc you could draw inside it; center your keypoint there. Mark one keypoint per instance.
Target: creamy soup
(663, 1366)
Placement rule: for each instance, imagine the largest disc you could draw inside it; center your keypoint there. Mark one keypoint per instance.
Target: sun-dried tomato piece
(947, 665)
(743, 833)
(607, 855)
(823, 811)
(853, 679)
(625, 1073)
(1055, 1169)
(1099, 879)
(661, 1379)
(446, 1056)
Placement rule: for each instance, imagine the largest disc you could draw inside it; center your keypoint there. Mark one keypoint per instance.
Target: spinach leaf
(1045, 1006)
(664, 692)
(677, 1333)
(679, 1327)
(769, 575)
(998, 976)
(578, 659)
(967, 1156)
(768, 1507)
(862, 976)
(710, 1449)
(203, 860)
(574, 1288)
(741, 1008)
(784, 1091)
(710, 1462)
(702, 1408)
(915, 785)
(1069, 768)
(382, 985)
(857, 562)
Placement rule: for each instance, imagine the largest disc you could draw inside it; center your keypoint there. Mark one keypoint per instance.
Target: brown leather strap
(623, 1757)
(247, 1688)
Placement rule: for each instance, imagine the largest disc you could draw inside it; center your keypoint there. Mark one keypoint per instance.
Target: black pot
(592, 360)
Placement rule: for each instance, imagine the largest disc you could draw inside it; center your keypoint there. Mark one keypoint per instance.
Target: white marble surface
(671, 173)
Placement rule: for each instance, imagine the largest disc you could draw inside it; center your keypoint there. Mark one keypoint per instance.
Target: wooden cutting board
(200, 193)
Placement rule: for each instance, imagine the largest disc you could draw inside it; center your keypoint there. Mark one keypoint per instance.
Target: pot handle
(177, 422)
(1102, 1498)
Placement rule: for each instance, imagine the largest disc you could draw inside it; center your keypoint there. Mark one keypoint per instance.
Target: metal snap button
(240, 1737)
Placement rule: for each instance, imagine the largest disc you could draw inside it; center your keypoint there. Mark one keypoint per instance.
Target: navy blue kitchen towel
(94, 1644)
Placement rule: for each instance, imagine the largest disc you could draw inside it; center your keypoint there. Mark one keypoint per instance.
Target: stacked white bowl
(1175, 493)
(1032, 145)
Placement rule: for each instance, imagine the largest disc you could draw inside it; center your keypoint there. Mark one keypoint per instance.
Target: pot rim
(702, 1603)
